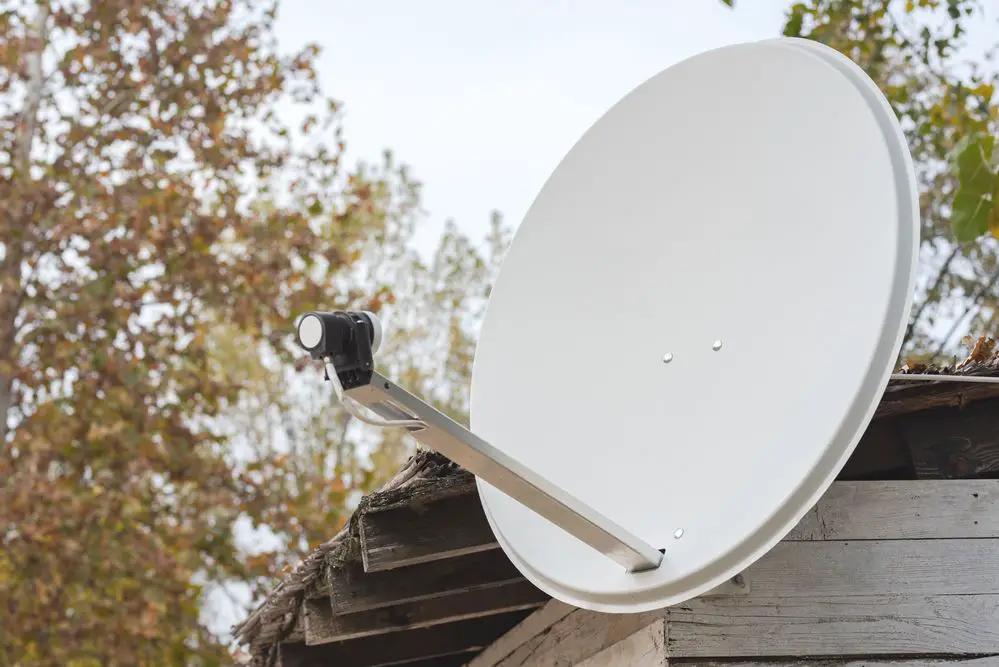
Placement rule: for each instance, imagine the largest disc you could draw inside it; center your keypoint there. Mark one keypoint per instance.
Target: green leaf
(974, 170)
(970, 215)
(795, 21)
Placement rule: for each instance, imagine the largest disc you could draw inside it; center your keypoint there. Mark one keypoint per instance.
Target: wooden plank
(409, 535)
(809, 528)
(941, 661)
(645, 648)
(322, 627)
(903, 397)
(915, 567)
(534, 625)
(953, 443)
(352, 590)
(580, 635)
(903, 510)
(406, 646)
(819, 626)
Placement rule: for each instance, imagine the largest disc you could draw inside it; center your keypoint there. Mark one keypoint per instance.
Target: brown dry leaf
(983, 350)
(914, 367)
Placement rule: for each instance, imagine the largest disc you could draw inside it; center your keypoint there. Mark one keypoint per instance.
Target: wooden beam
(904, 397)
(532, 626)
(903, 510)
(891, 567)
(580, 635)
(403, 647)
(954, 443)
(645, 648)
(818, 626)
(409, 535)
(352, 590)
(322, 627)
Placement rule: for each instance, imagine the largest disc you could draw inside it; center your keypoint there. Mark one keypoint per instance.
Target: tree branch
(11, 291)
(929, 295)
(35, 88)
(974, 302)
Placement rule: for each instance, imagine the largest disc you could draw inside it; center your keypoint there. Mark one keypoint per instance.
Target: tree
(160, 222)
(945, 99)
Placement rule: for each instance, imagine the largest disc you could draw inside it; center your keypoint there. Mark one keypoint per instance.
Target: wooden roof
(417, 578)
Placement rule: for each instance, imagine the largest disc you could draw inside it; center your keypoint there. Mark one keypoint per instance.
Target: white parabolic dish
(759, 197)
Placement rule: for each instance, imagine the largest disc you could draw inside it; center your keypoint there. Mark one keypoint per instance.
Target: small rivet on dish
(716, 345)
(678, 533)
(668, 357)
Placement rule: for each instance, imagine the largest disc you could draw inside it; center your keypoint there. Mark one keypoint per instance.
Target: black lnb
(347, 338)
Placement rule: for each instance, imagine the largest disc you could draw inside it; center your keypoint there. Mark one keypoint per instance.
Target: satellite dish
(690, 333)
(698, 316)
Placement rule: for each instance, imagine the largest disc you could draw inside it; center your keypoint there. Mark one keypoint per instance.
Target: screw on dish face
(668, 357)
(716, 345)
(678, 533)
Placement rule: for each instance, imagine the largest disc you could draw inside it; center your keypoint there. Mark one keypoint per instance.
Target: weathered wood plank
(951, 443)
(903, 397)
(353, 590)
(915, 567)
(405, 536)
(406, 646)
(645, 648)
(577, 637)
(534, 625)
(322, 627)
(809, 528)
(834, 626)
(941, 661)
(903, 510)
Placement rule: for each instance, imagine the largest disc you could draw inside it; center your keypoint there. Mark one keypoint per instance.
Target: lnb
(341, 333)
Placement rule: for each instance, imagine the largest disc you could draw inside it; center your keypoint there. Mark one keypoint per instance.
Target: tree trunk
(11, 290)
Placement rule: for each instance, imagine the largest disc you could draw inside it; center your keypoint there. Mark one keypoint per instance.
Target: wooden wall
(902, 572)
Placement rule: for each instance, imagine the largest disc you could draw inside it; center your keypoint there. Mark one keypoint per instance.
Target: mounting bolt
(678, 533)
(668, 357)
(716, 345)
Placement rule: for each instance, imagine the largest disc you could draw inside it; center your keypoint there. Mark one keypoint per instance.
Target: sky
(483, 99)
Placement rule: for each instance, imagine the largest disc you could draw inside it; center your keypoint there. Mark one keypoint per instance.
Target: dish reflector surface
(749, 214)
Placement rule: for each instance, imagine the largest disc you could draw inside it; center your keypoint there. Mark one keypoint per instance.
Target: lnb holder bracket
(347, 340)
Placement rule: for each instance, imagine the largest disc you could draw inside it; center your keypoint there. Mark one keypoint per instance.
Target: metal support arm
(346, 342)
(447, 437)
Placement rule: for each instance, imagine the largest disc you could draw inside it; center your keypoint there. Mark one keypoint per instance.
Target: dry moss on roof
(277, 616)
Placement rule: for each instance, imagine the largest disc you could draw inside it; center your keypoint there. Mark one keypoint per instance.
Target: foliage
(916, 51)
(976, 201)
(160, 227)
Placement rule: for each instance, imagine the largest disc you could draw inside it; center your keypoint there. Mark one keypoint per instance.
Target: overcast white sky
(482, 99)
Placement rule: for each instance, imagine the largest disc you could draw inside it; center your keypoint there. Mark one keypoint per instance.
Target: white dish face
(761, 196)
